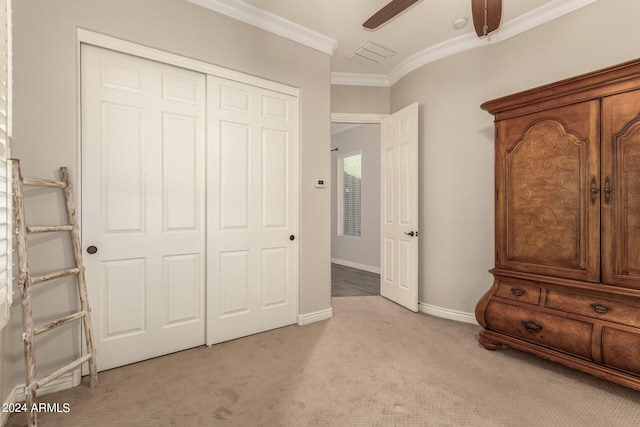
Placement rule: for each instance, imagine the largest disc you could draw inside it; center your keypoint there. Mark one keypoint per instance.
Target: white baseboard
(446, 313)
(65, 382)
(4, 415)
(351, 264)
(306, 319)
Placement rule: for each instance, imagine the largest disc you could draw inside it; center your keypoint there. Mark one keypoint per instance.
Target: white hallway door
(252, 212)
(143, 205)
(399, 207)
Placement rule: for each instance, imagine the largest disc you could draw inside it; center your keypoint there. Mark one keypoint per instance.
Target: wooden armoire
(567, 227)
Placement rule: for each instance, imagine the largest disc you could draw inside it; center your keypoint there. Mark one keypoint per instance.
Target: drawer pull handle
(600, 309)
(531, 326)
(518, 292)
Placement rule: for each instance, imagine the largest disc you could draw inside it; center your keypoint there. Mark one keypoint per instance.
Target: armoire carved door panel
(549, 215)
(621, 190)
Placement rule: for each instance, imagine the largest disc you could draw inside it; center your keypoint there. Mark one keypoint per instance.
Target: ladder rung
(56, 275)
(46, 229)
(70, 367)
(59, 322)
(37, 182)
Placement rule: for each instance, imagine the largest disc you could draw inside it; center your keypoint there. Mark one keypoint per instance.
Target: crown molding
(441, 50)
(259, 18)
(541, 15)
(519, 25)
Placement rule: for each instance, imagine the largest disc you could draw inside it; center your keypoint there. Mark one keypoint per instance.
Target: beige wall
(456, 160)
(46, 119)
(359, 99)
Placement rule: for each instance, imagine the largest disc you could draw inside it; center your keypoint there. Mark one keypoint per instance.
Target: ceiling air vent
(371, 54)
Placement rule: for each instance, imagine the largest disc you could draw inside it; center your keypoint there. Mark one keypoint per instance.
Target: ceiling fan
(486, 14)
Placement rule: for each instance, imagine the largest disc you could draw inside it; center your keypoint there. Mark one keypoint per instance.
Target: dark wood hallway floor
(351, 282)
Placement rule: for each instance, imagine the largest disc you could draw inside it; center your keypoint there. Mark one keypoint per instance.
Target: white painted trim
(267, 21)
(65, 382)
(318, 316)
(4, 415)
(113, 43)
(270, 22)
(357, 79)
(519, 25)
(445, 313)
(545, 13)
(436, 52)
(363, 267)
(357, 117)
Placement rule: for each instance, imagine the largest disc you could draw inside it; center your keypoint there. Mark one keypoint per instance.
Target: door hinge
(497, 194)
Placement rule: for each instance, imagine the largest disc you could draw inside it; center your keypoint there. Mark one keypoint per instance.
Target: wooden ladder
(25, 281)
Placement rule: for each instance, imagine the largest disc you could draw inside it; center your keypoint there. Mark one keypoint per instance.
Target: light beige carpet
(373, 364)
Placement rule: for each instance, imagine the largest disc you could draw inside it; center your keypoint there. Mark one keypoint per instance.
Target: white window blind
(349, 195)
(6, 236)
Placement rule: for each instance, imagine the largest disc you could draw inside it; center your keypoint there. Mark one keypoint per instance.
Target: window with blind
(6, 239)
(349, 195)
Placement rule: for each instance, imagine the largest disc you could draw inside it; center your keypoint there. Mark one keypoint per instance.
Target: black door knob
(411, 233)
(92, 250)
(292, 237)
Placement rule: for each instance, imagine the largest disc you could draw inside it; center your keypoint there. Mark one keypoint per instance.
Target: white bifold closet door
(252, 212)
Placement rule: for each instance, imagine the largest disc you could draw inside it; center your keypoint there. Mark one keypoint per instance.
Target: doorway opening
(398, 189)
(355, 208)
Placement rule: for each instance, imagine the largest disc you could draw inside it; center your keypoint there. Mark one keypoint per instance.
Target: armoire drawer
(568, 335)
(621, 350)
(518, 291)
(600, 308)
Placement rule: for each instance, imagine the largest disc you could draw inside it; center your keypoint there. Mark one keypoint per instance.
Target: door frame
(84, 36)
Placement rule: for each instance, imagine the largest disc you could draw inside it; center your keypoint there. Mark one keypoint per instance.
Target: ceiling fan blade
(392, 9)
(494, 13)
